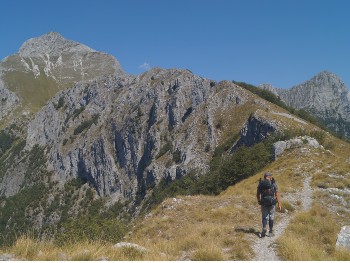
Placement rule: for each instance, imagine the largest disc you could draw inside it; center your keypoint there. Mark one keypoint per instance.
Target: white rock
(343, 240)
(130, 245)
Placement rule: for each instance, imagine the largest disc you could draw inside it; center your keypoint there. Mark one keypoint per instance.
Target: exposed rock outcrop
(123, 134)
(280, 146)
(8, 101)
(255, 130)
(130, 245)
(269, 87)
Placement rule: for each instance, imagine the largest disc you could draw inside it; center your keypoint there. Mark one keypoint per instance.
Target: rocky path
(265, 248)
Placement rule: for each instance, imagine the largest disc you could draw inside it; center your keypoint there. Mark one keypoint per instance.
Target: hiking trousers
(268, 214)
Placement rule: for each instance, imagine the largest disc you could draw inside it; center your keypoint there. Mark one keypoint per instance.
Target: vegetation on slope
(226, 170)
(25, 85)
(73, 214)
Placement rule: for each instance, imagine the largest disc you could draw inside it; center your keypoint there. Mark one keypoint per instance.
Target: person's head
(268, 176)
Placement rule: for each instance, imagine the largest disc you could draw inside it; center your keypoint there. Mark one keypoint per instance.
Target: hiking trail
(265, 248)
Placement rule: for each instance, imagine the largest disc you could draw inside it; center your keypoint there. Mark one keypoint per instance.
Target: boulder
(343, 240)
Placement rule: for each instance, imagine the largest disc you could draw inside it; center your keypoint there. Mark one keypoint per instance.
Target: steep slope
(325, 96)
(125, 134)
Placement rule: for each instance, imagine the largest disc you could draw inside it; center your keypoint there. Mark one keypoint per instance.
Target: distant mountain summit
(325, 96)
(51, 43)
(46, 64)
(325, 91)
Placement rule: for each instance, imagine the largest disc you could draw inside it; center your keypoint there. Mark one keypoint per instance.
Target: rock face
(343, 240)
(123, 134)
(255, 130)
(8, 101)
(326, 97)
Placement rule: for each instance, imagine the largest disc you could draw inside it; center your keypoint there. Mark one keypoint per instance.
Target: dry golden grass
(30, 249)
(311, 236)
(202, 228)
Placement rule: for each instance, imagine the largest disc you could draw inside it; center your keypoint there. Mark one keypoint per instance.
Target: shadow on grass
(247, 230)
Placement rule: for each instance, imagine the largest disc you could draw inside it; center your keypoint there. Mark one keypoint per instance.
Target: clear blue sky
(264, 41)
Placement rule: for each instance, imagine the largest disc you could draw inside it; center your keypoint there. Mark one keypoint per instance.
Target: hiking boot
(271, 234)
(263, 233)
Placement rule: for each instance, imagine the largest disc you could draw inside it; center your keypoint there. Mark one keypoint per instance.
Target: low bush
(85, 125)
(166, 147)
(6, 141)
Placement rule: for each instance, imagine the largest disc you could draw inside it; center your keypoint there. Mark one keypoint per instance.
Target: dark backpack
(267, 190)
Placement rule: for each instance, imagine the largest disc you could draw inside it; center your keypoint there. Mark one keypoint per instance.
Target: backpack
(267, 190)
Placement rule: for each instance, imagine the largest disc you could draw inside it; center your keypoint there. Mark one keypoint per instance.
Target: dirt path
(265, 248)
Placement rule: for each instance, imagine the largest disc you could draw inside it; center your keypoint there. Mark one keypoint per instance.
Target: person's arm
(278, 201)
(258, 196)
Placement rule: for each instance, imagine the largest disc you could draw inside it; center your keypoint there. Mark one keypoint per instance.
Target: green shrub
(60, 103)
(6, 141)
(78, 111)
(177, 156)
(166, 147)
(319, 136)
(36, 170)
(15, 208)
(85, 125)
(91, 228)
(245, 162)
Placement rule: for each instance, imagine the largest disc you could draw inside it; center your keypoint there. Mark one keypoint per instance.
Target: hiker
(267, 195)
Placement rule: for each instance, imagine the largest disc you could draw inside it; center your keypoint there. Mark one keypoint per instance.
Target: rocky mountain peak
(324, 95)
(45, 65)
(51, 43)
(326, 81)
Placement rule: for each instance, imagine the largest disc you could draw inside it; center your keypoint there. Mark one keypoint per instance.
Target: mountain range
(82, 140)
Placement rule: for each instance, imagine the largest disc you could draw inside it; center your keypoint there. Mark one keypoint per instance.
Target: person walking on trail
(267, 195)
